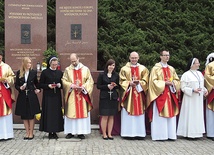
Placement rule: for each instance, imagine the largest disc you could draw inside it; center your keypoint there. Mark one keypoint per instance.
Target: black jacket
(27, 98)
(102, 84)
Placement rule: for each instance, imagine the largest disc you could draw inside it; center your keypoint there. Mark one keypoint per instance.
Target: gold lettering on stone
(76, 10)
(25, 15)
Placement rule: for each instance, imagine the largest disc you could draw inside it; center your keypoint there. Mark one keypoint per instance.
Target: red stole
(5, 97)
(210, 97)
(167, 97)
(78, 95)
(136, 97)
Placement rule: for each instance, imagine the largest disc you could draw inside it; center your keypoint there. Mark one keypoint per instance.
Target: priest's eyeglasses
(165, 55)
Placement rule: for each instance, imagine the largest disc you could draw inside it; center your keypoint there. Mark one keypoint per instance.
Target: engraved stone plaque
(76, 31)
(25, 31)
(25, 34)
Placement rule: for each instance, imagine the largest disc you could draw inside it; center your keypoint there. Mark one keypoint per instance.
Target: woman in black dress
(51, 117)
(27, 104)
(108, 83)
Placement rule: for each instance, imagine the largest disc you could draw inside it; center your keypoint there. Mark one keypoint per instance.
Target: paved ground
(95, 145)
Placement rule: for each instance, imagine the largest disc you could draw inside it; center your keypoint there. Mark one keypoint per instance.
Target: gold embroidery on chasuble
(80, 105)
(166, 102)
(209, 83)
(136, 104)
(210, 100)
(4, 109)
(211, 105)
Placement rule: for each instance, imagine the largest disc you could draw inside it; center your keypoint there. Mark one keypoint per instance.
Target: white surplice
(191, 119)
(77, 126)
(162, 128)
(209, 122)
(132, 126)
(6, 127)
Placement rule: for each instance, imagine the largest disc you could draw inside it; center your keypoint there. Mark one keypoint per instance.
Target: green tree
(51, 24)
(182, 27)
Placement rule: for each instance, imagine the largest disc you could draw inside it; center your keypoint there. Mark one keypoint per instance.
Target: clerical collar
(77, 67)
(164, 65)
(52, 69)
(134, 65)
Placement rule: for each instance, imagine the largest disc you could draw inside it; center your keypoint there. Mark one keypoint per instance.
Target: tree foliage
(184, 27)
(51, 32)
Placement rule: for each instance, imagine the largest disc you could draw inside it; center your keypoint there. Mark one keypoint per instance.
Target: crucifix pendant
(110, 92)
(26, 92)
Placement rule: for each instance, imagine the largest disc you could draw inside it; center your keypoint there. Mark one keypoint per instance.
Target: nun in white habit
(191, 120)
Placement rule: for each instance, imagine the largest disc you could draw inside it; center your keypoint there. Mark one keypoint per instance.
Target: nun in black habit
(51, 116)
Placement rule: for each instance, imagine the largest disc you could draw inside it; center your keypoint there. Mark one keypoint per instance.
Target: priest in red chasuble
(134, 85)
(162, 101)
(7, 97)
(77, 86)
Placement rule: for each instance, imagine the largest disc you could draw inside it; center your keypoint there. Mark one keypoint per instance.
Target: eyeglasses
(133, 58)
(165, 55)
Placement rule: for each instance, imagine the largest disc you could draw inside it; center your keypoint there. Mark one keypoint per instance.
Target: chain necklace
(197, 77)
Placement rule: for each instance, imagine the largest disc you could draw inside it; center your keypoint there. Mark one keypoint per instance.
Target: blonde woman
(27, 104)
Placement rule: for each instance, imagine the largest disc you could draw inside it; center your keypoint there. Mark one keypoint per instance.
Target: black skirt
(27, 105)
(51, 116)
(27, 115)
(108, 107)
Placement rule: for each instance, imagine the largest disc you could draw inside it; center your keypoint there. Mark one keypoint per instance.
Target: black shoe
(50, 136)
(69, 136)
(191, 139)
(139, 138)
(55, 136)
(110, 138)
(128, 138)
(7, 139)
(25, 138)
(81, 136)
(105, 138)
(212, 138)
(171, 139)
(30, 138)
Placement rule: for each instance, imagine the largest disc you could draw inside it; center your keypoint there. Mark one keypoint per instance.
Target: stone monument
(25, 31)
(76, 31)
